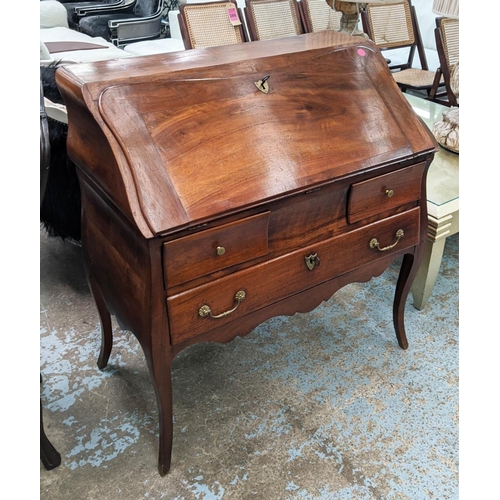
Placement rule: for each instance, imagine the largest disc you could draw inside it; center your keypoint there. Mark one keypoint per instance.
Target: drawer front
(215, 249)
(276, 279)
(385, 192)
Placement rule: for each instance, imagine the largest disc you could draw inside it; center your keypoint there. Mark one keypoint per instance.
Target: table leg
(439, 230)
(160, 370)
(106, 327)
(406, 274)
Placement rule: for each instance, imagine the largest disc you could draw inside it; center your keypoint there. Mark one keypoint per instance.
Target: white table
(442, 204)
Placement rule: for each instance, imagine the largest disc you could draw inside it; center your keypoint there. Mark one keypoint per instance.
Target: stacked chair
(140, 21)
(317, 15)
(209, 25)
(77, 10)
(395, 26)
(447, 35)
(268, 19)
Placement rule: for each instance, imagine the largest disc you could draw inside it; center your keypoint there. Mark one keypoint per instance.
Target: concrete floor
(323, 405)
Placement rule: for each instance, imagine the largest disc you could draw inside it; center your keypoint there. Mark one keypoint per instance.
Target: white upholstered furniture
(160, 46)
(54, 29)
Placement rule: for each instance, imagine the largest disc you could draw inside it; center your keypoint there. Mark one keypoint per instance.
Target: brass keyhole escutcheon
(389, 193)
(220, 250)
(262, 84)
(312, 261)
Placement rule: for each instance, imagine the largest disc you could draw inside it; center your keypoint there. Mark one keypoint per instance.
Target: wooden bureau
(215, 198)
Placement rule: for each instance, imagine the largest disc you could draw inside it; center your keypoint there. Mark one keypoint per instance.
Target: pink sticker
(233, 15)
(361, 52)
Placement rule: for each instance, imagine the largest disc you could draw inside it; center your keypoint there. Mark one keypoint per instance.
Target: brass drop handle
(389, 193)
(205, 310)
(375, 244)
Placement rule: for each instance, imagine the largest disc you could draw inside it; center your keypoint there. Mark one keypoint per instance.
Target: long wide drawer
(191, 312)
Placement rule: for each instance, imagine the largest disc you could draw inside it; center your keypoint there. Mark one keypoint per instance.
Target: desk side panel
(92, 147)
(125, 266)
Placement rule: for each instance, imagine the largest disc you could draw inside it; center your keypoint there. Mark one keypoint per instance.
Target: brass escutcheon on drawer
(312, 261)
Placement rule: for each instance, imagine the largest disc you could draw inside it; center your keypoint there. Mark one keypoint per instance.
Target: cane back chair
(447, 44)
(209, 24)
(268, 19)
(395, 26)
(317, 15)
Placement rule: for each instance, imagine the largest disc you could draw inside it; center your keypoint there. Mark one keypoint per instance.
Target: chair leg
(435, 85)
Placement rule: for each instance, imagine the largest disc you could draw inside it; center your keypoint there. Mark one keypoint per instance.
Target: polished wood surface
(210, 206)
(216, 105)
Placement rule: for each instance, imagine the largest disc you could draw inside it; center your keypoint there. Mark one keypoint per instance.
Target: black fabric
(145, 8)
(60, 211)
(98, 25)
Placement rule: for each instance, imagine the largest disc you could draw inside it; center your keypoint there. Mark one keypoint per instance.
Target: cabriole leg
(105, 318)
(160, 368)
(405, 279)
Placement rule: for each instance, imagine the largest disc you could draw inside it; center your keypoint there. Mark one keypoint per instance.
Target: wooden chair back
(447, 44)
(209, 24)
(395, 26)
(449, 35)
(268, 19)
(317, 15)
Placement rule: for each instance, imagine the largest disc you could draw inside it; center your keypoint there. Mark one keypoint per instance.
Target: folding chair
(395, 26)
(209, 24)
(447, 44)
(272, 19)
(317, 15)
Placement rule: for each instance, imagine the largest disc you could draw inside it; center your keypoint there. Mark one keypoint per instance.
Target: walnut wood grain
(370, 197)
(196, 254)
(152, 137)
(290, 275)
(178, 152)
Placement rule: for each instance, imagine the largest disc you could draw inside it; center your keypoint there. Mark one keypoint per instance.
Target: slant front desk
(224, 186)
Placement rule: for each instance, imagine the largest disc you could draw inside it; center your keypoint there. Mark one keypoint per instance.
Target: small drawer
(385, 192)
(213, 304)
(214, 249)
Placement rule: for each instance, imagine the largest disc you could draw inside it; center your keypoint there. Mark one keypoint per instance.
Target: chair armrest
(106, 8)
(134, 29)
(115, 23)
